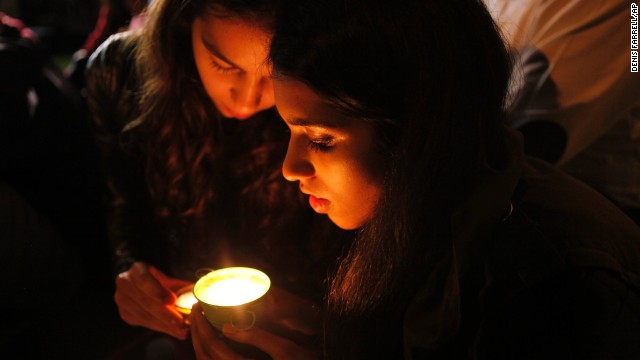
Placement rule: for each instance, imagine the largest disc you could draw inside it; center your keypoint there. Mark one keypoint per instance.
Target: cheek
(268, 98)
(370, 186)
(216, 86)
(359, 193)
(366, 197)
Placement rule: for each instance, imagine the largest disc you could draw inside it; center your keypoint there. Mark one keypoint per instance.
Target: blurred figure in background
(10, 7)
(61, 25)
(574, 97)
(114, 16)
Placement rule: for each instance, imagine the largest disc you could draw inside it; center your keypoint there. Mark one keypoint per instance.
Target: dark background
(56, 288)
(62, 25)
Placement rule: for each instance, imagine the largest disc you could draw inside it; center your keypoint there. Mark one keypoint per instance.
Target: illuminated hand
(292, 314)
(287, 332)
(206, 343)
(146, 297)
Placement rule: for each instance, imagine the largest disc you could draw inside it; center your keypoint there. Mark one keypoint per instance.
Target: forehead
(237, 38)
(297, 101)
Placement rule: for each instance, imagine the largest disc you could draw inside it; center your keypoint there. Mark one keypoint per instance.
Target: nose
(252, 94)
(296, 165)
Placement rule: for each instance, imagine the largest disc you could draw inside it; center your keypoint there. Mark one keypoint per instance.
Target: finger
(292, 312)
(277, 347)
(138, 308)
(300, 326)
(147, 283)
(286, 304)
(148, 319)
(154, 320)
(168, 282)
(206, 343)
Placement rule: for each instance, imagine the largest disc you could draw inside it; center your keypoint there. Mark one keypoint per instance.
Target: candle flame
(185, 301)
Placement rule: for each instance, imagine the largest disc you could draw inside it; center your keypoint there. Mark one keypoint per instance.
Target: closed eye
(322, 144)
(219, 67)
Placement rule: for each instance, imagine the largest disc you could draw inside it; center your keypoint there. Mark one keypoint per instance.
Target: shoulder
(577, 217)
(559, 222)
(113, 83)
(562, 273)
(559, 226)
(117, 49)
(112, 66)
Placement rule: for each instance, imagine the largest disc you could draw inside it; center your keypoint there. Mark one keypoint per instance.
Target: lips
(241, 117)
(229, 113)
(319, 205)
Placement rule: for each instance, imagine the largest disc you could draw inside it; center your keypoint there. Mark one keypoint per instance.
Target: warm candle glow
(230, 292)
(232, 286)
(185, 301)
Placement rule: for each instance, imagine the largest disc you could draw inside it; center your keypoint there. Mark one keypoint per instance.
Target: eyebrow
(310, 122)
(214, 50)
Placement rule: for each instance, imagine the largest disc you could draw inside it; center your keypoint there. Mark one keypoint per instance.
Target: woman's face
(230, 55)
(330, 154)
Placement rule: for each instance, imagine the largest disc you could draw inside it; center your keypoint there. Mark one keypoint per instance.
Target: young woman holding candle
(192, 149)
(464, 248)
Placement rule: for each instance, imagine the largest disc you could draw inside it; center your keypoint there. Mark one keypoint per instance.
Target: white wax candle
(186, 300)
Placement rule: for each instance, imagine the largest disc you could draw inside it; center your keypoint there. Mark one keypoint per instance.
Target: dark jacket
(112, 97)
(558, 277)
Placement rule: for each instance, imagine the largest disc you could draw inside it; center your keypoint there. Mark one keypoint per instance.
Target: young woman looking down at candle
(464, 248)
(192, 149)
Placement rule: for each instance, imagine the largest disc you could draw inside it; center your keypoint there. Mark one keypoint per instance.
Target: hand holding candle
(287, 331)
(145, 297)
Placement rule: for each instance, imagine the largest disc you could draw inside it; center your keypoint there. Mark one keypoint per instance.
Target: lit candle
(185, 301)
(232, 286)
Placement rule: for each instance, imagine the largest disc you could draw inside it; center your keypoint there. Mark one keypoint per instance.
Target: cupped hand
(287, 331)
(207, 344)
(146, 297)
(292, 314)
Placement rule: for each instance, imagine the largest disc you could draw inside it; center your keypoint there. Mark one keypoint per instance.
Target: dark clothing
(558, 279)
(229, 232)
(111, 95)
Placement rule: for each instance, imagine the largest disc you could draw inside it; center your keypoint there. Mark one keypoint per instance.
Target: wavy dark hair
(183, 129)
(201, 167)
(432, 76)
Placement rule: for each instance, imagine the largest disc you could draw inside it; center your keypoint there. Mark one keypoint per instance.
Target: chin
(345, 224)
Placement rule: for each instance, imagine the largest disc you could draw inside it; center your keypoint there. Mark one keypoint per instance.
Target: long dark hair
(201, 167)
(183, 129)
(432, 76)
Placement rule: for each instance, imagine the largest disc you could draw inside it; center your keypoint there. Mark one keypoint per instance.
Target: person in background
(114, 16)
(465, 248)
(192, 150)
(577, 107)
